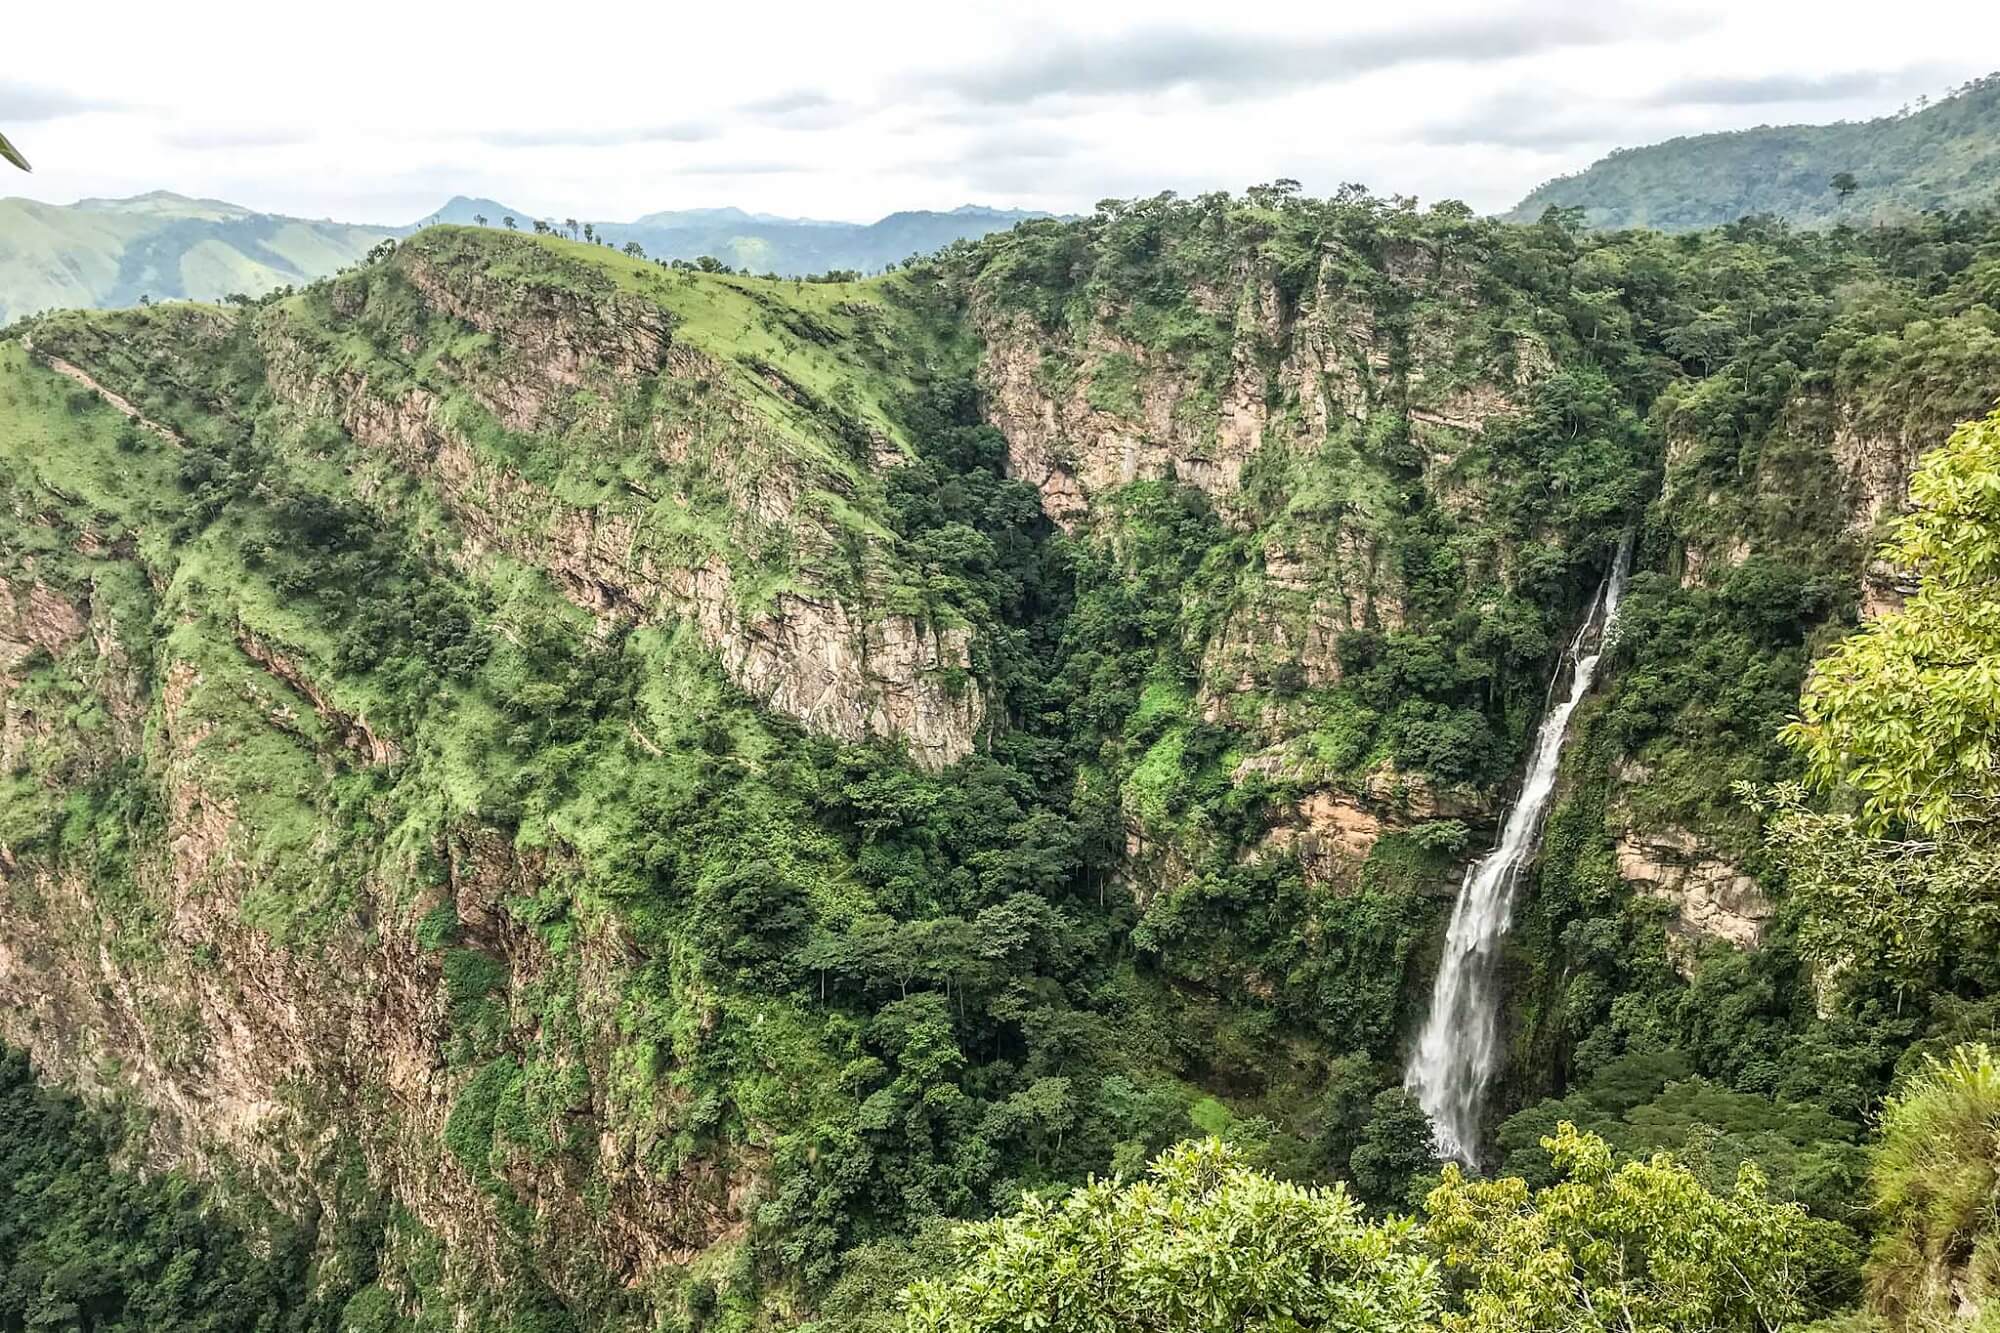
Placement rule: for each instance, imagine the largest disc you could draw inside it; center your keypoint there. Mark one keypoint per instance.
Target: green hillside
(160, 246)
(1943, 156)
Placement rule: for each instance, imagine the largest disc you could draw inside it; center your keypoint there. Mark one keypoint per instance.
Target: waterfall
(1457, 1054)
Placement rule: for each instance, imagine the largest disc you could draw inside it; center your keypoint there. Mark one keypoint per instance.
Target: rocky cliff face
(322, 1011)
(1711, 900)
(312, 1071)
(1085, 413)
(1390, 355)
(845, 672)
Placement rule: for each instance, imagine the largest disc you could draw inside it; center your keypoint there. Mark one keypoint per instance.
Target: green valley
(546, 790)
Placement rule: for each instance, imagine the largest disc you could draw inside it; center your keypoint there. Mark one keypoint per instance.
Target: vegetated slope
(1943, 156)
(86, 1245)
(113, 252)
(629, 792)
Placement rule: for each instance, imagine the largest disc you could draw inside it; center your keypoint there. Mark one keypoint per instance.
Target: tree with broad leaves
(1204, 1244)
(1896, 868)
(1638, 1247)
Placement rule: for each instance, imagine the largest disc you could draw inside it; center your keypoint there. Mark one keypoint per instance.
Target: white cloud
(620, 108)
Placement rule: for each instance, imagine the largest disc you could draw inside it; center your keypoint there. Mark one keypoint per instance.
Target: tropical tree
(1906, 713)
(1899, 727)
(508, 222)
(1844, 184)
(589, 233)
(634, 249)
(570, 224)
(479, 218)
(1204, 1244)
(1395, 1151)
(1638, 1248)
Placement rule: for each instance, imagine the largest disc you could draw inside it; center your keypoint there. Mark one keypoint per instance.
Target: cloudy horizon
(614, 112)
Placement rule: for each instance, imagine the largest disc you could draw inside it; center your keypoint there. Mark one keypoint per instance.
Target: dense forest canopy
(413, 647)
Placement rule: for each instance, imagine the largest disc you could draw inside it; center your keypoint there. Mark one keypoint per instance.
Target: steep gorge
(615, 790)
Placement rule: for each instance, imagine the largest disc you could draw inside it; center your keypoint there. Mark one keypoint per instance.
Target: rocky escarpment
(1085, 413)
(811, 656)
(1301, 417)
(323, 1072)
(1711, 899)
(595, 379)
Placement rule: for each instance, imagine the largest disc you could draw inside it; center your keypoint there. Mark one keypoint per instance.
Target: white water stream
(1458, 1052)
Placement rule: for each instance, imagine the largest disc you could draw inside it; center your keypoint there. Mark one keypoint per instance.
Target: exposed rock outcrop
(36, 617)
(1087, 414)
(1712, 900)
(352, 728)
(1331, 834)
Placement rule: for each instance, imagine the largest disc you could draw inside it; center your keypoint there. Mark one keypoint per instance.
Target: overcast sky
(372, 111)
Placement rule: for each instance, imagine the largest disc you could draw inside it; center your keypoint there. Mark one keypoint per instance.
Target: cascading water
(1459, 1048)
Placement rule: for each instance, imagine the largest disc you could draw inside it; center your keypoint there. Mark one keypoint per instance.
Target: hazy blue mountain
(765, 243)
(161, 246)
(465, 211)
(99, 253)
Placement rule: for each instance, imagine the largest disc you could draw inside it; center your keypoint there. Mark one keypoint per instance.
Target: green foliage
(1639, 1247)
(1394, 1158)
(1936, 1187)
(1906, 713)
(1646, 1103)
(85, 1245)
(1204, 1243)
(1900, 730)
(468, 1132)
(1940, 155)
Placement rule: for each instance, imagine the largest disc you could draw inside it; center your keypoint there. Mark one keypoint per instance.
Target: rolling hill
(111, 252)
(1943, 156)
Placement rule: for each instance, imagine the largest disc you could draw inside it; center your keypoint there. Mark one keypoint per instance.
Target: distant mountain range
(764, 242)
(1945, 155)
(112, 252)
